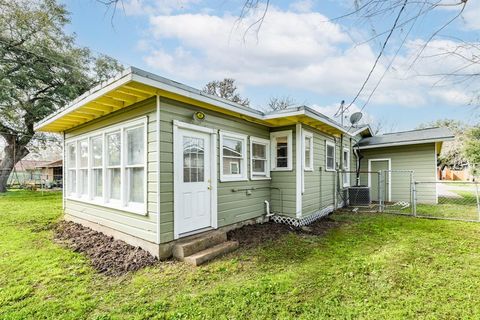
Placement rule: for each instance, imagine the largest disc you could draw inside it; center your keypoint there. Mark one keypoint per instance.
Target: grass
(374, 266)
(463, 207)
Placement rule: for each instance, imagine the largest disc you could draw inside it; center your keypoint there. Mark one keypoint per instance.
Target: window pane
(113, 147)
(259, 151)
(232, 147)
(72, 160)
(135, 146)
(307, 159)
(97, 182)
(83, 182)
(114, 180)
(330, 150)
(259, 166)
(136, 182)
(83, 153)
(97, 149)
(330, 163)
(193, 159)
(72, 181)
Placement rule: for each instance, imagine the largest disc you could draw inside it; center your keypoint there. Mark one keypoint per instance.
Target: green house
(151, 161)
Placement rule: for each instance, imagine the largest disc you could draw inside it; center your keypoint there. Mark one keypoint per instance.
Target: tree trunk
(12, 157)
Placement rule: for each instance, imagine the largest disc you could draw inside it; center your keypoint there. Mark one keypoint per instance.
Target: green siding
(286, 182)
(144, 227)
(319, 191)
(232, 206)
(419, 158)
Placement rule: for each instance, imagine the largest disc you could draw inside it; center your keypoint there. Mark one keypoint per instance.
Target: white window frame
(346, 167)
(257, 175)
(85, 168)
(331, 144)
(122, 204)
(243, 176)
(92, 167)
(70, 168)
(273, 149)
(309, 135)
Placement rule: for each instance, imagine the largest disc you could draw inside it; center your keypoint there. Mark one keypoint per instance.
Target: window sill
(330, 170)
(140, 212)
(308, 170)
(260, 178)
(226, 179)
(282, 169)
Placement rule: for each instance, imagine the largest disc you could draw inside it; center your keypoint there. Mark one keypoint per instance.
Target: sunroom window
(135, 169)
(114, 146)
(233, 156)
(83, 168)
(259, 158)
(97, 166)
(108, 167)
(71, 168)
(281, 146)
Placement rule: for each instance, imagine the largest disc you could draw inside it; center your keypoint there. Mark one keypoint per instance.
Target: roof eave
(406, 143)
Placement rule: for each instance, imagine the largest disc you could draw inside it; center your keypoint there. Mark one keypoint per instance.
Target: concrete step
(184, 249)
(211, 253)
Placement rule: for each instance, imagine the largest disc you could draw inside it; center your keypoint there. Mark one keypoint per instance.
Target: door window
(193, 159)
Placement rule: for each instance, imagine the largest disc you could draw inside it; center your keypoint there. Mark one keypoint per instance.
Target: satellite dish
(355, 118)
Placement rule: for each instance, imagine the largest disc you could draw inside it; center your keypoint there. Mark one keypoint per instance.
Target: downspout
(358, 157)
(158, 169)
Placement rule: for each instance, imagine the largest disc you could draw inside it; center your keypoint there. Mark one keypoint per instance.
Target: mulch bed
(108, 256)
(255, 234)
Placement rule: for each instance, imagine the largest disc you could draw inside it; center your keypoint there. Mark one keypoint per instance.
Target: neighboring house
(26, 171)
(151, 161)
(51, 172)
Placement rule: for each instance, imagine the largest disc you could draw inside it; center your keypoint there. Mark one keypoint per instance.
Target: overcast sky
(299, 52)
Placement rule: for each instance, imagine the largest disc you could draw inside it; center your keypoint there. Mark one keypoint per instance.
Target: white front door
(193, 174)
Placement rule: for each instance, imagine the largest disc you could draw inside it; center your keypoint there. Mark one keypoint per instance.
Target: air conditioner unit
(359, 196)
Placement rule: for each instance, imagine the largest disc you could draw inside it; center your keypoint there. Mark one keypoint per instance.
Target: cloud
(302, 6)
(153, 7)
(294, 50)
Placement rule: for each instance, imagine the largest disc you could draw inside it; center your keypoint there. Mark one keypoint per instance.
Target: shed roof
(135, 85)
(418, 136)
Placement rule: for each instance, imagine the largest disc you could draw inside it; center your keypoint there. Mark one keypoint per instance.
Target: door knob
(209, 187)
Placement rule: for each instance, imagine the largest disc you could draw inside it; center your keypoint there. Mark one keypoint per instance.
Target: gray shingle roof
(407, 137)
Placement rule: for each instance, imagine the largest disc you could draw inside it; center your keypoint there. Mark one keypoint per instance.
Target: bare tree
(282, 103)
(226, 89)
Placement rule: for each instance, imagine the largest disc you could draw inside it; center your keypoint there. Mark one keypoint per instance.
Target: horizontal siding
(419, 158)
(232, 206)
(284, 183)
(319, 191)
(144, 227)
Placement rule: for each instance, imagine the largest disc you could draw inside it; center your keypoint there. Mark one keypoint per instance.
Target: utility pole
(340, 112)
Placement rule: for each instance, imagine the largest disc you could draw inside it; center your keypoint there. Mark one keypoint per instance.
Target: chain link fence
(397, 192)
(451, 200)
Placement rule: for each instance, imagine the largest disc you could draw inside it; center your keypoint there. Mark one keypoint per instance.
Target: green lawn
(375, 266)
(462, 207)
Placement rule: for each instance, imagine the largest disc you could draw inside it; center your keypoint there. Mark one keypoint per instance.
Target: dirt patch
(255, 234)
(109, 256)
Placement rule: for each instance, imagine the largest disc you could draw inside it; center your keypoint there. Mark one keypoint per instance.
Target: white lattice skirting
(295, 222)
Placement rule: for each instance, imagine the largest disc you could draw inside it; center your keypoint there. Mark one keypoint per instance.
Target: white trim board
(389, 160)
(299, 169)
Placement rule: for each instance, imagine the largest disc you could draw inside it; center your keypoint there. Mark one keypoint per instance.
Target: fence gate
(398, 191)
(388, 191)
